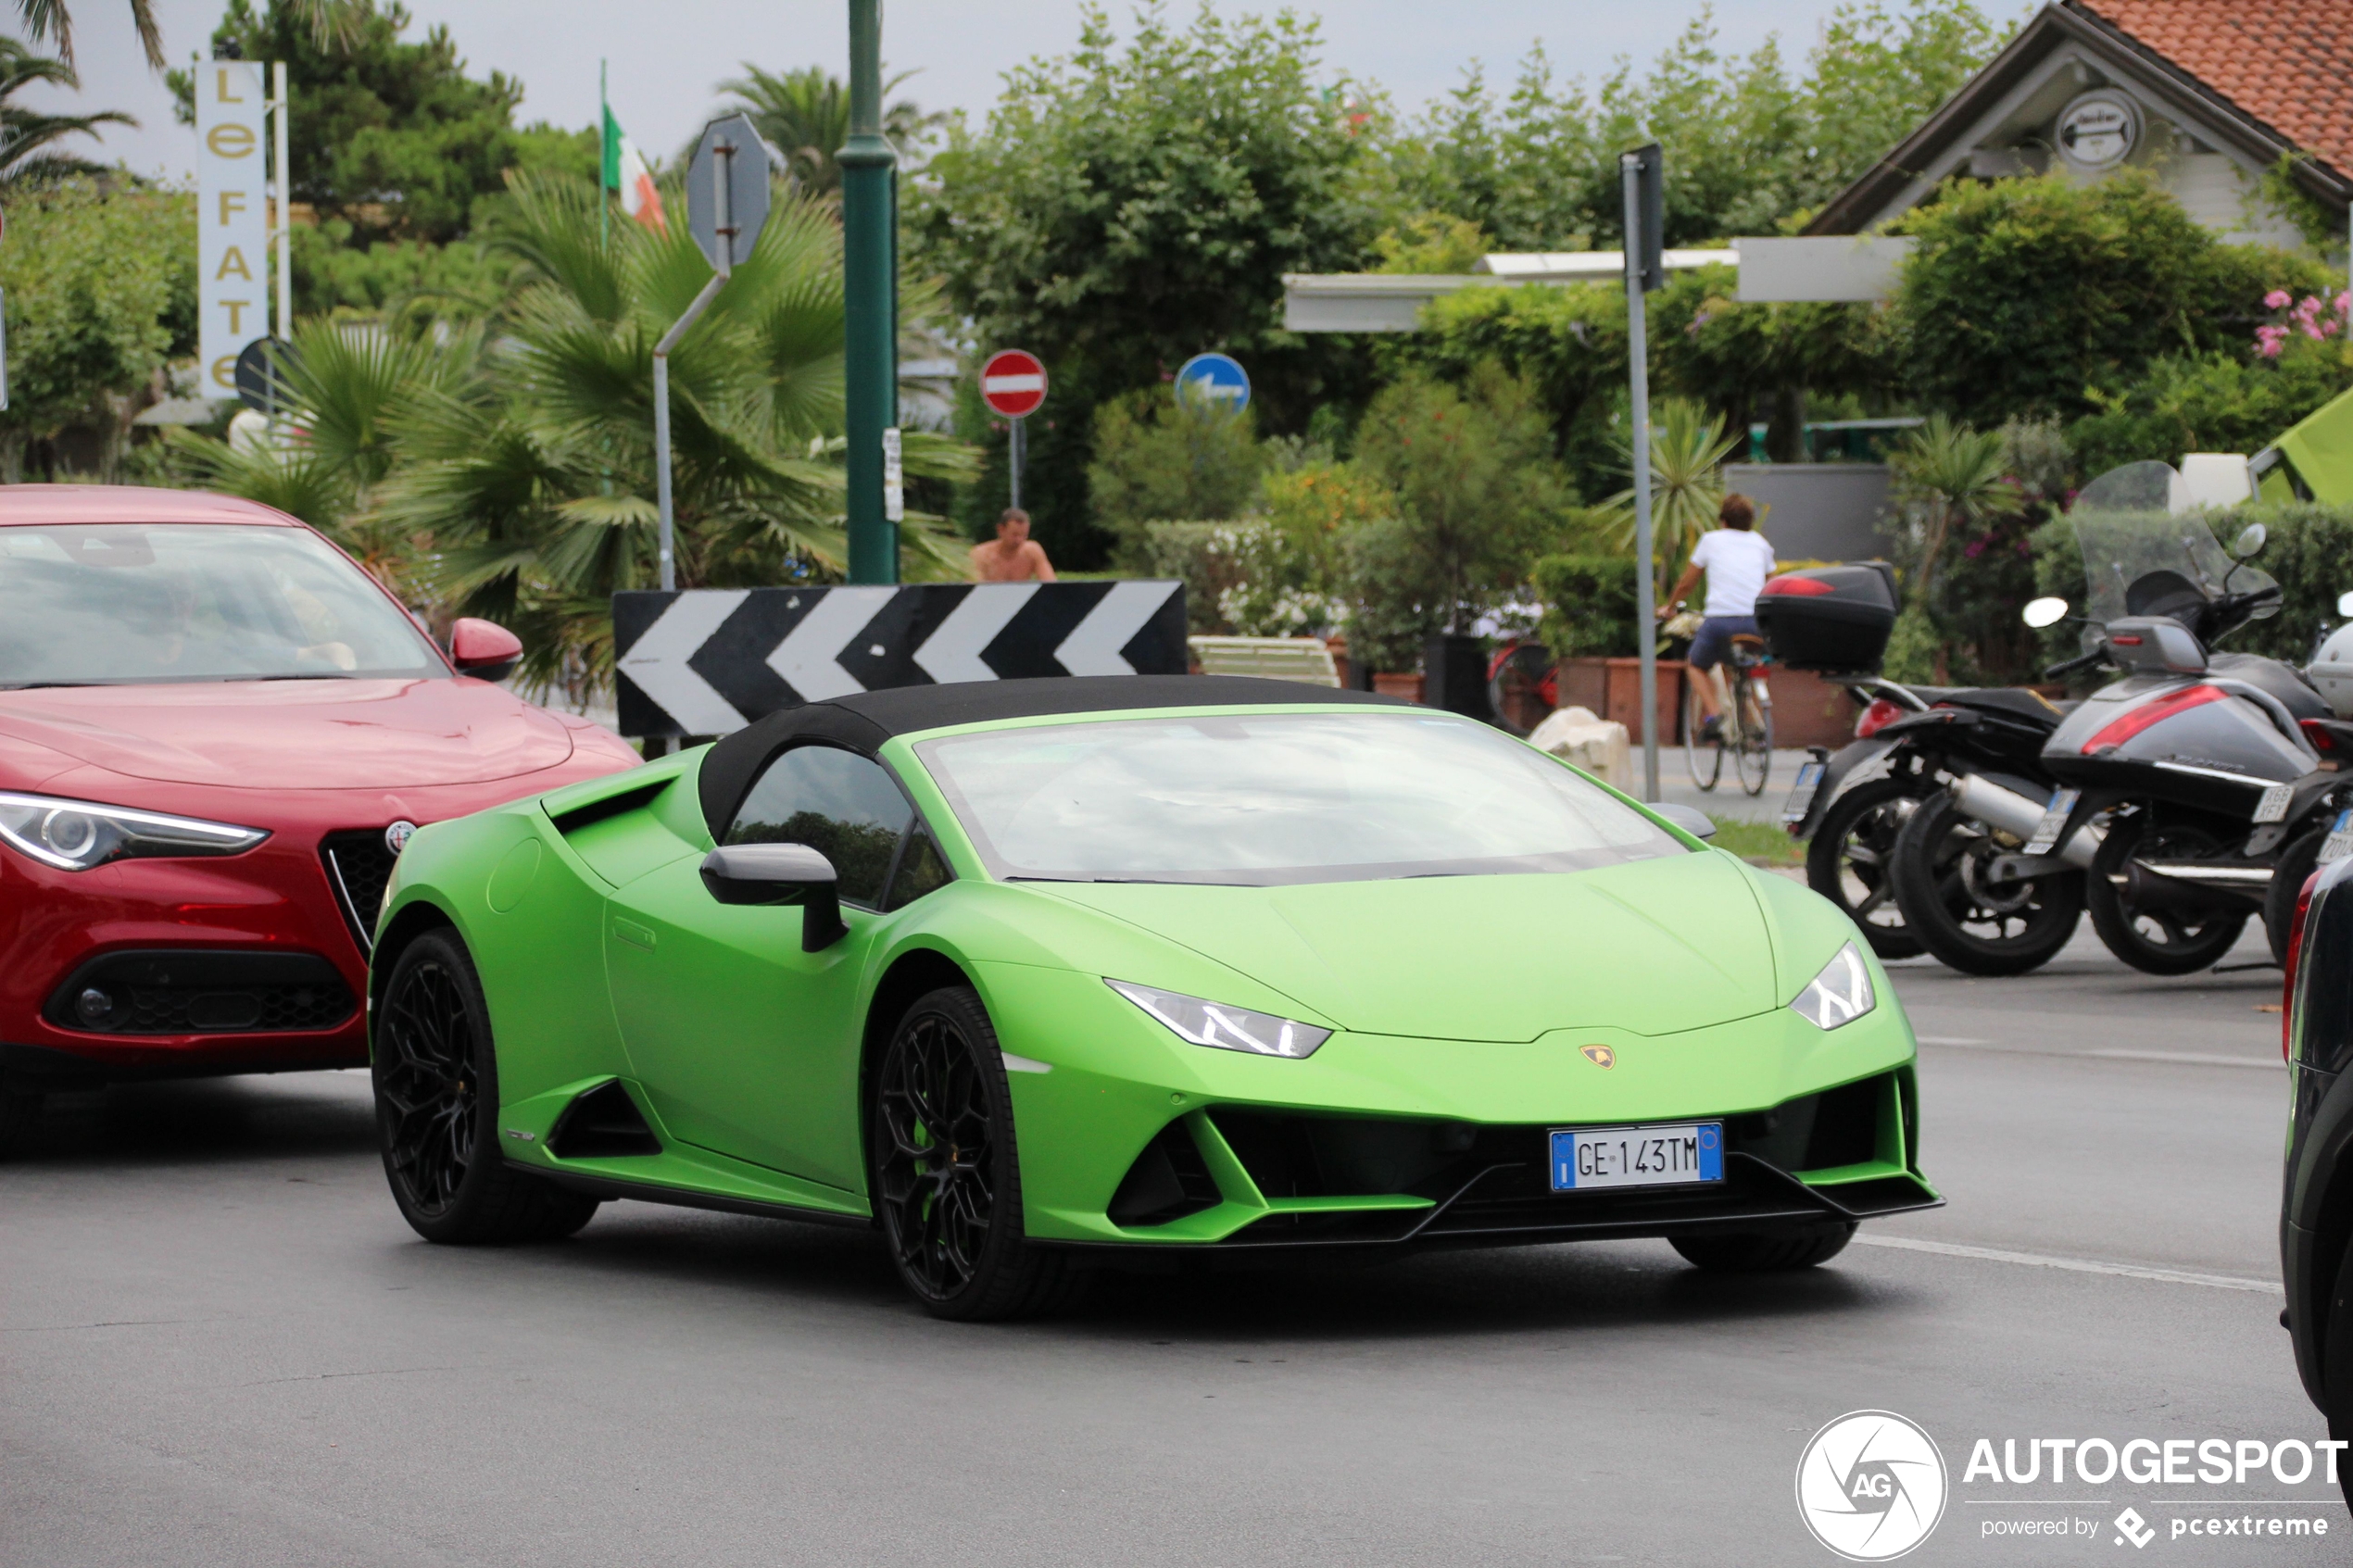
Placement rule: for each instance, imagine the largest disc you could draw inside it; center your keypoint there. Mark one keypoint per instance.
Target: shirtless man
(1012, 555)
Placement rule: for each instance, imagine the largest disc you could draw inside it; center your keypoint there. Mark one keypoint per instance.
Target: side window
(922, 869)
(836, 802)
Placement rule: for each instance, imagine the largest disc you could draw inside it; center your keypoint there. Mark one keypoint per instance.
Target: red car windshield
(131, 604)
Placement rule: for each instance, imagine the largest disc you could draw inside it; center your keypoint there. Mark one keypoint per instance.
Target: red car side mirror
(484, 649)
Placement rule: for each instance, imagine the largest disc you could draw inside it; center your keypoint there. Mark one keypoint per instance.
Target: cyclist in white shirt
(1737, 560)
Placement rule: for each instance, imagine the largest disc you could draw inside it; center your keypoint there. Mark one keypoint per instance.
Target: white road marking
(2074, 1265)
(1949, 1040)
(2194, 1058)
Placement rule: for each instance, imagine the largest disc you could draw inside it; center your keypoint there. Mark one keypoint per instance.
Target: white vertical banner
(233, 230)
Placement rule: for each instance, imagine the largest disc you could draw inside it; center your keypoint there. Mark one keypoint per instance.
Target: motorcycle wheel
(1851, 857)
(2155, 941)
(1952, 912)
(2295, 862)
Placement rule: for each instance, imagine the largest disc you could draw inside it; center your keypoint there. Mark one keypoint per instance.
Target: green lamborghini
(1036, 976)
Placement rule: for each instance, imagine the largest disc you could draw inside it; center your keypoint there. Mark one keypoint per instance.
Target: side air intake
(1168, 1181)
(604, 1123)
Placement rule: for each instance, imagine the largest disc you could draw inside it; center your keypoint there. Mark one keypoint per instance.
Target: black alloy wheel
(1851, 858)
(2153, 939)
(2296, 862)
(1765, 1252)
(947, 1179)
(1954, 909)
(436, 1082)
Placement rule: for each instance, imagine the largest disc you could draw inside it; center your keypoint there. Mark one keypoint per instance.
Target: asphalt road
(219, 1345)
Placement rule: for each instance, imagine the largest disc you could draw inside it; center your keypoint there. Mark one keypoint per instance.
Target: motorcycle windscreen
(2148, 550)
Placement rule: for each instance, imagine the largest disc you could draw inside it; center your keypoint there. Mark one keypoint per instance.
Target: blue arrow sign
(1214, 380)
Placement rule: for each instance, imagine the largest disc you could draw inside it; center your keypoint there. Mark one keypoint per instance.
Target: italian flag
(625, 172)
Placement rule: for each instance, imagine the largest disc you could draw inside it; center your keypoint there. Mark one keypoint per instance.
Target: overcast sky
(667, 58)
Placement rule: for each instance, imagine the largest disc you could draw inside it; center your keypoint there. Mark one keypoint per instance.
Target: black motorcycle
(2192, 790)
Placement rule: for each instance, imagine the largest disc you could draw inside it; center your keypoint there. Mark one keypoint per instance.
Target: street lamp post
(869, 286)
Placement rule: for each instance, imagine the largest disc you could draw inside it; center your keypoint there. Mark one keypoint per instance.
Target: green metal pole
(869, 288)
(604, 159)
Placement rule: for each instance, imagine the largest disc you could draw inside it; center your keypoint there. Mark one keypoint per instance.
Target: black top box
(1834, 618)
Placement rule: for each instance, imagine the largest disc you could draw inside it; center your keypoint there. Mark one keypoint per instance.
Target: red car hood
(292, 735)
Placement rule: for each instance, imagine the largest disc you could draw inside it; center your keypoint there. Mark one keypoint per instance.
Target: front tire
(1766, 1252)
(2155, 941)
(1851, 861)
(436, 1077)
(947, 1178)
(1967, 922)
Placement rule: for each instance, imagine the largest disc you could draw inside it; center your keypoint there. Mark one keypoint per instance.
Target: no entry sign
(1013, 382)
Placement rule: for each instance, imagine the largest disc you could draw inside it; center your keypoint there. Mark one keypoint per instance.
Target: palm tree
(1687, 450)
(23, 133)
(805, 115)
(1948, 473)
(45, 19)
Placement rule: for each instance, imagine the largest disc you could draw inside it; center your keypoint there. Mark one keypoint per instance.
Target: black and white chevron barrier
(709, 660)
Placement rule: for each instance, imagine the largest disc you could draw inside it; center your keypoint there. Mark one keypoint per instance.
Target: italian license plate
(2054, 815)
(2339, 842)
(1801, 795)
(1668, 1154)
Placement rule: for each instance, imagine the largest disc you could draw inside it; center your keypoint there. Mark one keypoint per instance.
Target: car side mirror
(484, 650)
(1691, 820)
(2040, 613)
(2251, 542)
(780, 873)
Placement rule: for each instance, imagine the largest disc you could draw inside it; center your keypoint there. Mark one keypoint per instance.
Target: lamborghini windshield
(125, 604)
(1264, 799)
(2148, 550)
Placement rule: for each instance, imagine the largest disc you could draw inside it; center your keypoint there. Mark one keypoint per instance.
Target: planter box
(1623, 698)
(1408, 686)
(1808, 710)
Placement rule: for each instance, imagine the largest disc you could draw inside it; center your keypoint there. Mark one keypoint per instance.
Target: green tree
(805, 115)
(1133, 204)
(1750, 148)
(510, 473)
(1688, 449)
(89, 279)
(1477, 500)
(1949, 477)
(1157, 457)
(2037, 295)
(387, 135)
(47, 19)
(26, 134)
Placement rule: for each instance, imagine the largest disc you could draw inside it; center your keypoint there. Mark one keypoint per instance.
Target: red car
(216, 734)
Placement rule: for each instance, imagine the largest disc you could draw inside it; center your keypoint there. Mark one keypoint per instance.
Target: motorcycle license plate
(2339, 842)
(2054, 815)
(1668, 1154)
(1801, 795)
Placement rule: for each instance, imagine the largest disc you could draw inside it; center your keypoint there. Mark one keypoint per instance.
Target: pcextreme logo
(1870, 1485)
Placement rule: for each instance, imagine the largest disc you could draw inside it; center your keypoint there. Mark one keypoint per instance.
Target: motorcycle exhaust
(2015, 814)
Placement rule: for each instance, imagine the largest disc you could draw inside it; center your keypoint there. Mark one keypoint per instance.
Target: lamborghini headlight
(1225, 1028)
(1840, 994)
(74, 836)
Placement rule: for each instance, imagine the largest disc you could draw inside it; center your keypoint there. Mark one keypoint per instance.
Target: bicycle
(1746, 730)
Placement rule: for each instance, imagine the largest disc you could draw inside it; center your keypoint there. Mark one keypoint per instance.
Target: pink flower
(2276, 299)
(2344, 303)
(2269, 347)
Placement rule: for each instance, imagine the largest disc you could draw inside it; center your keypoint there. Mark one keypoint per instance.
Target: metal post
(722, 205)
(285, 208)
(870, 357)
(1019, 454)
(1645, 587)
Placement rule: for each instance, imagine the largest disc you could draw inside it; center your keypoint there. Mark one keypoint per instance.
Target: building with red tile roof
(2206, 94)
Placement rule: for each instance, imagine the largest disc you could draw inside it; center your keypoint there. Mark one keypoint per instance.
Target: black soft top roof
(863, 721)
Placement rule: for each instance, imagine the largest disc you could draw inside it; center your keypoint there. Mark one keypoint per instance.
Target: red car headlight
(75, 835)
